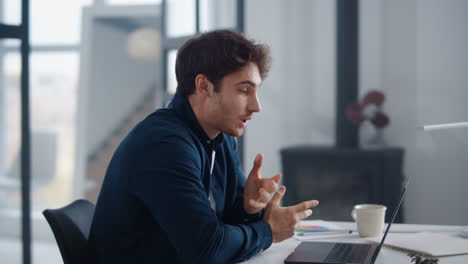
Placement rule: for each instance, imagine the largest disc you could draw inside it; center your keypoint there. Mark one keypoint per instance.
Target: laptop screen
(376, 253)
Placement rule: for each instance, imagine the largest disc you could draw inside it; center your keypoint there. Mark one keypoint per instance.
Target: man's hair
(216, 54)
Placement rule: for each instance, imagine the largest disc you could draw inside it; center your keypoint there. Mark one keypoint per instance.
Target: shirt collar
(184, 111)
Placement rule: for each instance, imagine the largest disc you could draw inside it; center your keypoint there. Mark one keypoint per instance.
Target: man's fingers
(304, 205)
(272, 184)
(257, 164)
(278, 195)
(269, 185)
(277, 178)
(265, 196)
(304, 214)
(257, 205)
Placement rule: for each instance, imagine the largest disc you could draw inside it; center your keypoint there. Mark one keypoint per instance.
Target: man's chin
(235, 133)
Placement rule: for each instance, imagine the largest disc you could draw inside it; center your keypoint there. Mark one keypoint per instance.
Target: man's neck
(200, 115)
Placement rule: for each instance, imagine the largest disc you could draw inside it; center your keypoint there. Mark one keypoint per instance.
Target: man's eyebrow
(246, 82)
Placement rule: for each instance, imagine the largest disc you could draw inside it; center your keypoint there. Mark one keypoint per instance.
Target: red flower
(380, 120)
(373, 97)
(359, 112)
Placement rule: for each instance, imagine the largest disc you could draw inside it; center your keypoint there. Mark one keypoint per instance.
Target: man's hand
(259, 191)
(283, 220)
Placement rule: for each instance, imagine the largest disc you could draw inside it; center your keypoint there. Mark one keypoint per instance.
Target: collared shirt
(154, 205)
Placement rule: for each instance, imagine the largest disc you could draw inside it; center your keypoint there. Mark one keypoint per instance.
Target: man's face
(230, 108)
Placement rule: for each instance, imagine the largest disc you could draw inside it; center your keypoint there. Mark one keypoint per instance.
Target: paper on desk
(433, 244)
(319, 236)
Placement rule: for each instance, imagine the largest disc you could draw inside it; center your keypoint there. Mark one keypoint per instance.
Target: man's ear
(203, 85)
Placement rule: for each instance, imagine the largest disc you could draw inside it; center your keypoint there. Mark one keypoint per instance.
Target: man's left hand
(259, 191)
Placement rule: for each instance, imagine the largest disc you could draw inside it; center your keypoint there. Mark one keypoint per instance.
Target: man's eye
(245, 91)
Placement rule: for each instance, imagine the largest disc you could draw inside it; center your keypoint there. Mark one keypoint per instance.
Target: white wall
(419, 54)
(370, 46)
(399, 81)
(442, 93)
(298, 97)
(412, 50)
(422, 66)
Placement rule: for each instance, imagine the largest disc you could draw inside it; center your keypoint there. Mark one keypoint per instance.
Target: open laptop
(341, 253)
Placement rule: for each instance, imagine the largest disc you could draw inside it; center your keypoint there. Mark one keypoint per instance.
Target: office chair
(70, 225)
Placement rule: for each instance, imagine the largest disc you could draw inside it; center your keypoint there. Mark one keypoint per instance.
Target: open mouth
(244, 121)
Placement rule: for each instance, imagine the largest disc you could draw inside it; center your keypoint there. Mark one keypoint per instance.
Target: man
(175, 191)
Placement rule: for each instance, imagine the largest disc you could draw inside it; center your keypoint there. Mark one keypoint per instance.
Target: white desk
(279, 251)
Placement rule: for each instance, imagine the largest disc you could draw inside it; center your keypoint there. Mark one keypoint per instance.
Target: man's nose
(255, 105)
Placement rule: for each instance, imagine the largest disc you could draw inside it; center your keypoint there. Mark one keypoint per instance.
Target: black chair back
(70, 225)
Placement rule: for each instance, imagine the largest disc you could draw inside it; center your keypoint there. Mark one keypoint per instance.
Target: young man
(175, 191)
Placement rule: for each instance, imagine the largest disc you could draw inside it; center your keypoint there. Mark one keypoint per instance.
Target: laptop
(341, 253)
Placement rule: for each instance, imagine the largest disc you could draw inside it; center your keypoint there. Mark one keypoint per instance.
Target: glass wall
(131, 2)
(170, 74)
(216, 14)
(181, 18)
(183, 21)
(10, 142)
(58, 107)
(54, 59)
(13, 16)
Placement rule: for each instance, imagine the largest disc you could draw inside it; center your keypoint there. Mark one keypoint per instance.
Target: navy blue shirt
(154, 202)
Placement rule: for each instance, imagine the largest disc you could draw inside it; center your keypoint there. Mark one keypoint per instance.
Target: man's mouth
(244, 121)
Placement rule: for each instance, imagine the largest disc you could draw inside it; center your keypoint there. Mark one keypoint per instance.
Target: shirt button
(208, 142)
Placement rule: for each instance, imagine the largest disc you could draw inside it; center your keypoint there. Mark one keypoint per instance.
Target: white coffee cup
(369, 219)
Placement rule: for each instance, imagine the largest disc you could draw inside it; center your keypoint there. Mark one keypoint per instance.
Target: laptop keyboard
(348, 253)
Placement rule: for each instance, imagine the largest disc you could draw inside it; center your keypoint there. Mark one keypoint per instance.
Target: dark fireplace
(340, 178)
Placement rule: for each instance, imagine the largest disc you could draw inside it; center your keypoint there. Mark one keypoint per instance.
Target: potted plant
(417, 258)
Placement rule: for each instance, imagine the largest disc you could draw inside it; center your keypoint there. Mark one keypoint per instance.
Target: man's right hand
(283, 220)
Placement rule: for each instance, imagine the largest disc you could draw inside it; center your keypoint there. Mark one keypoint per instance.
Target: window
(181, 18)
(217, 14)
(171, 76)
(55, 37)
(132, 2)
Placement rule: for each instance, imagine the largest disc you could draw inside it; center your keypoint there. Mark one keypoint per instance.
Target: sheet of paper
(319, 236)
(433, 244)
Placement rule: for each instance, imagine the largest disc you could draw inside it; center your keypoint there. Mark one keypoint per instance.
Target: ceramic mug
(369, 219)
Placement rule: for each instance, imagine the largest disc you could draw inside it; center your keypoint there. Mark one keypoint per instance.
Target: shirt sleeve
(168, 182)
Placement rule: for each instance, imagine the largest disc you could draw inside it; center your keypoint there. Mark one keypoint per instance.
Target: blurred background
(342, 109)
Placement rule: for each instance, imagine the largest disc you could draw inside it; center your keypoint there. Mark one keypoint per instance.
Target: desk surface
(279, 251)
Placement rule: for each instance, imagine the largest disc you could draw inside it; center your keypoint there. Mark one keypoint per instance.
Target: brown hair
(216, 54)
